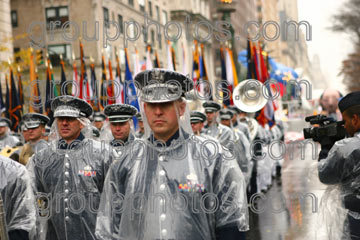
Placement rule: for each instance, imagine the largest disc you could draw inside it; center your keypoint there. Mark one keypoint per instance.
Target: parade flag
(195, 67)
(75, 86)
(120, 94)
(14, 109)
(110, 86)
(63, 88)
(130, 92)
(94, 86)
(37, 99)
(103, 97)
(226, 98)
(2, 104)
(20, 91)
(185, 68)
(149, 65)
(48, 95)
(170, 63)
(83, 77)
(156, 61)
(137, 67)
(32, 79)
(7, 97)
(251, 69)
(173, 56)
(204, 75)
(130, 96)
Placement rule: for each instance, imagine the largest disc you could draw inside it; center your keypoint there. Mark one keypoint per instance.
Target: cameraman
(339, 162)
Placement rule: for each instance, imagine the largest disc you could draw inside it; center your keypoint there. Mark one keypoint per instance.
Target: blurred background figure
(329, 103)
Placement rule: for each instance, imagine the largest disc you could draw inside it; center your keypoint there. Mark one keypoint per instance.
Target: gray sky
(331, 47)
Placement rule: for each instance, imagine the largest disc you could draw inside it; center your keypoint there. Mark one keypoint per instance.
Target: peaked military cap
(139, 117)
(226, 114)
(69, 106)
(234, 109)
(161, 85)
(196, 116)
(5, 122)
(119, 112)
(47, 130)
(350, 100)
(99, 117)
(34, 120)
(211, 106)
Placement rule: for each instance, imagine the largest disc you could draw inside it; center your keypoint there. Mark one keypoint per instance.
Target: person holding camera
(339, 163)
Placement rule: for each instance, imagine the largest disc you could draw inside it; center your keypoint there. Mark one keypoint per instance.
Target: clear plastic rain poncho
(8, 140)
(17, 196)
(341, 170)
(182, 189)
(239, 145)
(68, 179)
(220, 132)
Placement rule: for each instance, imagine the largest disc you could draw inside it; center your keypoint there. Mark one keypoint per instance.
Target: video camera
(329, 130)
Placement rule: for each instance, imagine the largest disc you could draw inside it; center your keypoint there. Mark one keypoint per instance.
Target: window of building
(54, 14)
(106, 17)
(150, 9)
(164, 17)
(55, 51)
(121, 23)
(14, 18)
(142, 5)
(131, 2)
(160, 40)
(157, 13)
(152, 36)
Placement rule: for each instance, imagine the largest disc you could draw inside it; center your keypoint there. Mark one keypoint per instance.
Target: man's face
(141, 126)
(26, 134)
(163, 119)
(210, 117)
(197, 127)
(233, 119)
(226, 122)
(330, 100)
(69, 128)
(120, 130)
(352, 124)
(98, 124)
(3, 130)
(35, 134)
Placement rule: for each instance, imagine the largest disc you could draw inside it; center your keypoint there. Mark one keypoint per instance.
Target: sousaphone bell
(248, 96)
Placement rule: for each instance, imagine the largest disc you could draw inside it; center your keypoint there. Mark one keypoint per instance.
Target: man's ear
(182, 107)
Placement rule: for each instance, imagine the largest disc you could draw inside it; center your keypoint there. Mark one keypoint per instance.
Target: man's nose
(158, 110)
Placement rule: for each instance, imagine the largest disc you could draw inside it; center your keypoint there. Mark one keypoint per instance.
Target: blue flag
(129, 88)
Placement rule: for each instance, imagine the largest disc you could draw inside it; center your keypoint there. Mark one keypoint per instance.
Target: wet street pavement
(290, 209)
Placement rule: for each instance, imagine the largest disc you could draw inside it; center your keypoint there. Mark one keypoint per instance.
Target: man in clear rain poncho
(240, 144)
(140, 132)
(35, 124)
(18, 201)
(120, 123)
(68, 175)
(213, 128)
(243, 127)
(5, 138)
(197, 120)
(339, 164)
(172, 185)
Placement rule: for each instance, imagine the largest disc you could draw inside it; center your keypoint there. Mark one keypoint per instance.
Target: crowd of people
(90, 175)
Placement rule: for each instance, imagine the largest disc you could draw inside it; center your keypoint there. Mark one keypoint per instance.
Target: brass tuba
(248, 96)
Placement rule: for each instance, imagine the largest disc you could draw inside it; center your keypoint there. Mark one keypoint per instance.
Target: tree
(347, 21)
